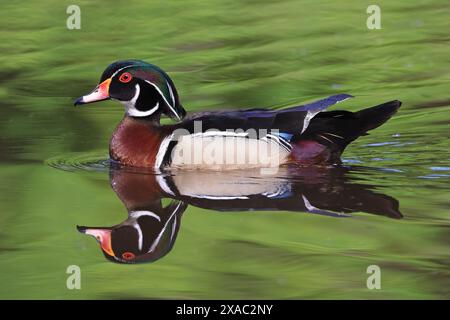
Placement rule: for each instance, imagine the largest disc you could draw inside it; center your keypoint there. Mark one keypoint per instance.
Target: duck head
(145, 236)
(144, 89)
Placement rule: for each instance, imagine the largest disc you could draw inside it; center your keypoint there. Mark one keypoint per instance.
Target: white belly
(226, 152)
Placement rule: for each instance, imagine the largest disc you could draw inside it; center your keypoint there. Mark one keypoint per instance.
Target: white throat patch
(130, 105)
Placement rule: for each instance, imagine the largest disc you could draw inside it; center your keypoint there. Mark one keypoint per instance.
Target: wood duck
(150, 229)
(304, 135)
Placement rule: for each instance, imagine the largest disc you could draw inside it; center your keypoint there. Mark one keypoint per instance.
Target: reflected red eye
(128, 255)
(125, 77)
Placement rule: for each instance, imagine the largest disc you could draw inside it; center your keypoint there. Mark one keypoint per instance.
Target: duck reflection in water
(151, 228)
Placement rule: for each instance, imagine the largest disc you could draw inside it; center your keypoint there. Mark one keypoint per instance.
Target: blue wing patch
(286, 136)
(282, 138)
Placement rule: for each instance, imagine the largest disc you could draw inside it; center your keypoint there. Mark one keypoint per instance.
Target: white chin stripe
(130, 106)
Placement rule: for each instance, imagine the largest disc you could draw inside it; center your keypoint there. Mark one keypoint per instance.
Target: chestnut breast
(135, 142)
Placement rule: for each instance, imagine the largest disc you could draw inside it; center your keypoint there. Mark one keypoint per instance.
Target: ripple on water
(440, 168)
(87, 161)
(444, 172)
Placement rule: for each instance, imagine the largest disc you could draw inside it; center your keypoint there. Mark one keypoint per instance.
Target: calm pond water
(302, 233)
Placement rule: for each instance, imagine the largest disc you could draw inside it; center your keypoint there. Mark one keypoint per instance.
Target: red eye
(128, 255)
(125, 77)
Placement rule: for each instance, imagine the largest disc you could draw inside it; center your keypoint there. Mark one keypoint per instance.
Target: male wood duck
(304, 135)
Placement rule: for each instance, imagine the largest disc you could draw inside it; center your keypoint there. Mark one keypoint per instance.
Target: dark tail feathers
(374, 117)
(336, 129)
